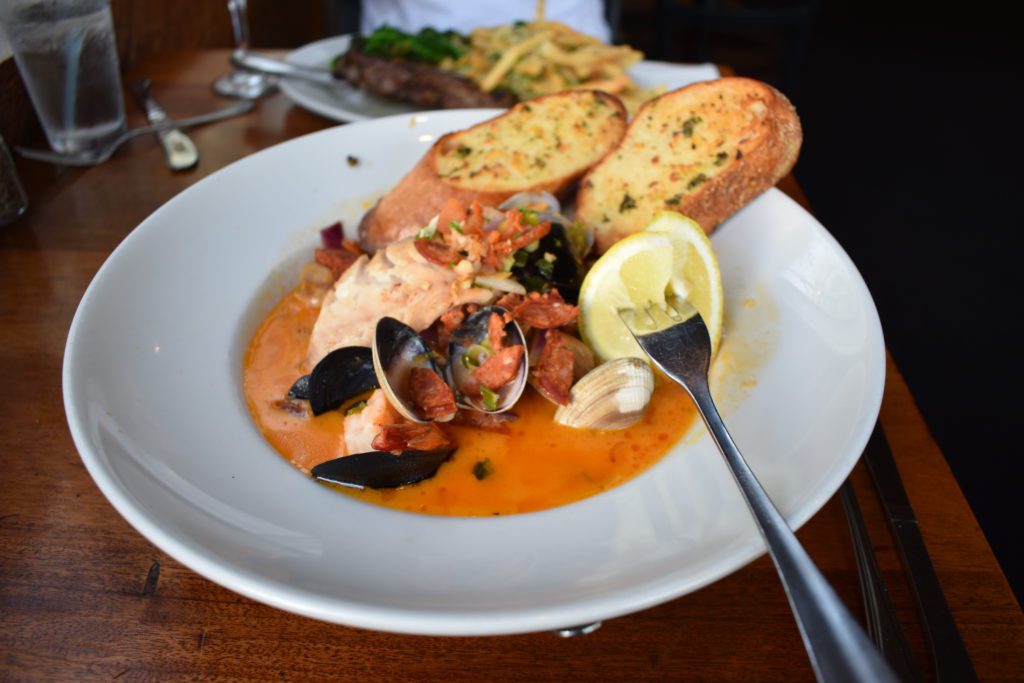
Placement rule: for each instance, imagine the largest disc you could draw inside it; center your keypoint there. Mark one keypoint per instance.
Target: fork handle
(838, 648)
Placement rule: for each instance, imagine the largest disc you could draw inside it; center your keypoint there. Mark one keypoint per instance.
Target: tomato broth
(539, 464)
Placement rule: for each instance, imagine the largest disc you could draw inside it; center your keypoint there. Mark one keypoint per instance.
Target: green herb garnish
(530, 216)
(695, 181)
(674, 200)
(720, 158)
(688, 125)
(454, 225)
(355, 408)
(489, 397)
(483, 469)
(627, 203)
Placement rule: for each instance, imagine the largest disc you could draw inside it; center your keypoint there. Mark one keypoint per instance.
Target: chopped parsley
(530, 216)
(695, 181)
(462, 151)
(355, 408)
(352, 161)
(720, 158)
(688, 125)
(483, 469)
(674, 200)
(546, 268)
(627, 203)
(454, 225)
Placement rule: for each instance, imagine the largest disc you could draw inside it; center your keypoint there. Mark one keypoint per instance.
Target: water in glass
(67, 57)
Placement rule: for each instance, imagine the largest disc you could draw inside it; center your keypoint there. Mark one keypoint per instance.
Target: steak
(422, 84)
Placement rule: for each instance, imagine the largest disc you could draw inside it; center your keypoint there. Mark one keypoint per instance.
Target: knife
(180, 151)
(950, 661)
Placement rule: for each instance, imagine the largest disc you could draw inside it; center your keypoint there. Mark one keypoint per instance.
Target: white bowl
(152, 390)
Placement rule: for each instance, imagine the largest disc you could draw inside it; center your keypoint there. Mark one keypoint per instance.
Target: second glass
(67, 57)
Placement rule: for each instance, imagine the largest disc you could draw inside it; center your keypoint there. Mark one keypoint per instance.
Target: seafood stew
(444, 374)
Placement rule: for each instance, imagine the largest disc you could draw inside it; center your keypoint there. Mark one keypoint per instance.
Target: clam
(613, 395)
(381, 469)
(340, 375)
(397, 352)
(470, 347)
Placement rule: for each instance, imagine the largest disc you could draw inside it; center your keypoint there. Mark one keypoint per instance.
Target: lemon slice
(632, 273)
(696, 276)
(672, 256)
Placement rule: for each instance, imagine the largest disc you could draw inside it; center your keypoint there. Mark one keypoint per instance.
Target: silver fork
(677, 341)
(94, 157)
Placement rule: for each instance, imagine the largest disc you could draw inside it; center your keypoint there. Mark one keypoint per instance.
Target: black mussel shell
(300, 389)
(565, 273)
(382, 470)
(340, 375)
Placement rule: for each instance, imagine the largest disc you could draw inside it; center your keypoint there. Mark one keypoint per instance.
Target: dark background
(912, 115)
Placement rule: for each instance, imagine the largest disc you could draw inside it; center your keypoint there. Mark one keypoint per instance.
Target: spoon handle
(838, 648)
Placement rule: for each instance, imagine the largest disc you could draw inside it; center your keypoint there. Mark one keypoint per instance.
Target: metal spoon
(94, 157)
(677, 340)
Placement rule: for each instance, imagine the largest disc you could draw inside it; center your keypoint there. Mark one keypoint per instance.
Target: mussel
(381, 469)
(613, 395)
(340, 375)
(555, 261)
(402, 359)
(479, 341)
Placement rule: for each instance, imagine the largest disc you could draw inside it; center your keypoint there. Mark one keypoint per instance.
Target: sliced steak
(421, 84)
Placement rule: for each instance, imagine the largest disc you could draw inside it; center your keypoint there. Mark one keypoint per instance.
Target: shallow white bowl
(152, 390)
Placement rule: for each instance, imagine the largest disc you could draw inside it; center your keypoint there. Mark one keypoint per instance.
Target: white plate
(152, 390)
(345, 103)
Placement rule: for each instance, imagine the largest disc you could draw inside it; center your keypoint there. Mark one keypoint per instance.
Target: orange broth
(539, 464)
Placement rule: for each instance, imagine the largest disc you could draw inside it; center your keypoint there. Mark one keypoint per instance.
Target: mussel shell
(300, 389)
(566, 272)
(397, 348)
(474, 331)
(339, 376)
(382, 470)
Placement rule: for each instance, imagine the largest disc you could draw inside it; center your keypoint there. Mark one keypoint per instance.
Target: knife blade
(179, 150)
(950, 660)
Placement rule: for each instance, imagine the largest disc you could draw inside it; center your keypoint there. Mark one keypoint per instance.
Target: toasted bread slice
(544, 144)
(705, 151)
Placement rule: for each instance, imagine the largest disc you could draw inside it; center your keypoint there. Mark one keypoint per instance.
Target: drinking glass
(241, 83)
(67, 57)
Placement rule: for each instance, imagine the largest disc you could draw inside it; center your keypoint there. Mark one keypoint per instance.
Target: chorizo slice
(500, 368)
(553, 372)
(430, 394)
(545, 311)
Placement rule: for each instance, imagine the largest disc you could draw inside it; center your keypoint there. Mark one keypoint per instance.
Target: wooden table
(84, 597)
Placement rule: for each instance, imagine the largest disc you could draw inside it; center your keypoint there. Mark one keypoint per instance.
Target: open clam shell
(397, 350)
(611, 396)
(469, 345)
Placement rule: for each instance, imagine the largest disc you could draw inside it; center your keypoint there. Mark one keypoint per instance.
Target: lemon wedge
(671, 256)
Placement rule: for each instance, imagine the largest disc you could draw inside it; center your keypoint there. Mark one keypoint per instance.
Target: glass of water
(67, 56)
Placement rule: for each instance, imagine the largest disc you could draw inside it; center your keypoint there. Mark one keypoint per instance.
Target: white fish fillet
(397, 282)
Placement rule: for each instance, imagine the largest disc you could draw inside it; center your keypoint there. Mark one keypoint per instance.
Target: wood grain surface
(85, 597)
